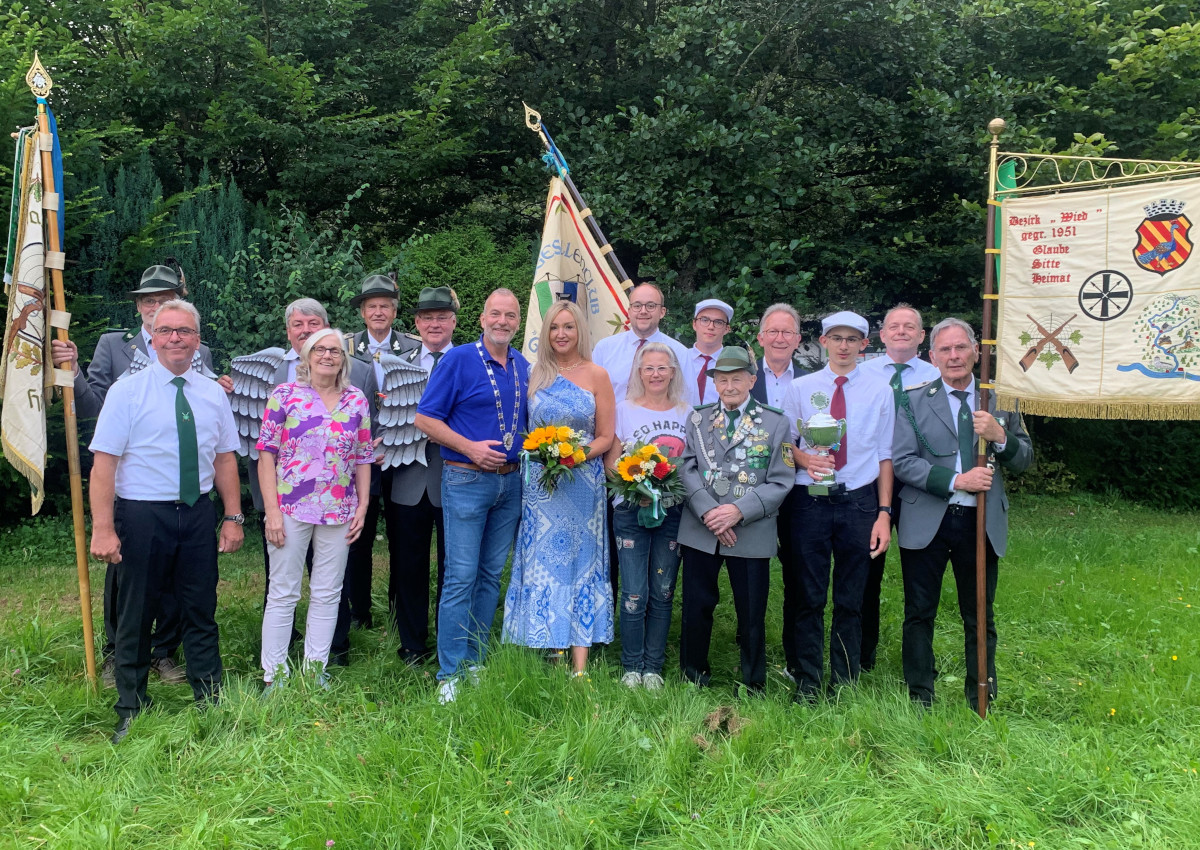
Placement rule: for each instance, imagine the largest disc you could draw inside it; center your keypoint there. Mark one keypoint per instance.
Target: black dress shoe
(806, 696)
(122, 730)
(361, 623)
(339, 659)
(924, 699)
(414, 659)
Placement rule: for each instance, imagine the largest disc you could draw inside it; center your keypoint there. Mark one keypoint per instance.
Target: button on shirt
(137, 424)
(776, 387)
(870, 420)
(460, 395)
(615, 354)
(962, 497)
(918, 372)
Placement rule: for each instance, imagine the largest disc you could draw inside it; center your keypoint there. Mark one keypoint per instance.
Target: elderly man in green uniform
(378, 303)
(737, 469)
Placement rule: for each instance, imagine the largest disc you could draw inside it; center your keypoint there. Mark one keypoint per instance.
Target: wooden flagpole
(40, 84)
(533, 120)
(987, 342)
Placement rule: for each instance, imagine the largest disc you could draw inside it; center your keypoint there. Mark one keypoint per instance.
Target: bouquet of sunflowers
(644, 472)
(559, 449)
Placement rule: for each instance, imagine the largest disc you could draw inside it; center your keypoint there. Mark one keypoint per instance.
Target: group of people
(755, 485)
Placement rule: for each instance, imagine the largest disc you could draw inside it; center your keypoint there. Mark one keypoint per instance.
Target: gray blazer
(756, 468)
(927, 477)
(114, 353)
(361, 376)
(412, 481)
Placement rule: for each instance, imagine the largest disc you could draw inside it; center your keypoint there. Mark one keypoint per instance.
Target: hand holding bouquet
(644, 472)
(559, 449)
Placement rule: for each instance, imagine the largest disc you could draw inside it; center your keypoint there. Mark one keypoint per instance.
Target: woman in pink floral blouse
(315, 455)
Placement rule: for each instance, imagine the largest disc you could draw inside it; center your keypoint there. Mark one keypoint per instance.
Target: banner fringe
(1100, 409)
(37, 483)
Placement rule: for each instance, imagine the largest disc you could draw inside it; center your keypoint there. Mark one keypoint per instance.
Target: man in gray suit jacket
(377, 303)
(414, 500)
(934, 457)
(114, 353)
(302, 318)
(736, 470)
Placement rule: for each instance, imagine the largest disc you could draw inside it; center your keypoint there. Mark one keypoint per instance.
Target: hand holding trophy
(823, 433)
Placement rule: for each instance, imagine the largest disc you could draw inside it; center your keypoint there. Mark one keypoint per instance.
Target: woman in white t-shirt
(654, 411)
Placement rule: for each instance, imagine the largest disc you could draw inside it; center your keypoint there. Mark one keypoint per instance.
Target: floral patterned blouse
(316, 451)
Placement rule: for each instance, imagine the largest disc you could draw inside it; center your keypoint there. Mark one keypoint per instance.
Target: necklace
(506, 437)
(572, 367)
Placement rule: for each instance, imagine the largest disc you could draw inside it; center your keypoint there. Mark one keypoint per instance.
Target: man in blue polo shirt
(475, 408)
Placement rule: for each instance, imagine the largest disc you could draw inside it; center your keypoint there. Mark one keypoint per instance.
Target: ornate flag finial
(533, 118)
(38, 78)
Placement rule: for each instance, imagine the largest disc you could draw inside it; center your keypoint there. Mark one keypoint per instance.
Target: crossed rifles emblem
(1049, 338)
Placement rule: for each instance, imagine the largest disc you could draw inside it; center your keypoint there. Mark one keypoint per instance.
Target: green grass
(1095, 741)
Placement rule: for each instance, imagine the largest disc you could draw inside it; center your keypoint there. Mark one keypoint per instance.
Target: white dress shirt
(692, 367)
(137, 425)
(615, 353)
(918, 372)
(962, 497)
(292, 359)
(426, 358)
(375, 348)
(151, 352)
(870, 421)
(776, 387)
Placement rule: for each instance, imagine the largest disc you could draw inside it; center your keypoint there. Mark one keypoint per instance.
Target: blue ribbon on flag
(56, 158)
(553, 157)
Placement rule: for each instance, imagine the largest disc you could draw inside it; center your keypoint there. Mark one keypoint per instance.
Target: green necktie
(966, 432)
(437, 356)
(733, 416)
(189, 458)
(897, 382)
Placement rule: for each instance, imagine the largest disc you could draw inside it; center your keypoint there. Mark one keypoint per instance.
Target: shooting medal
(720, 485)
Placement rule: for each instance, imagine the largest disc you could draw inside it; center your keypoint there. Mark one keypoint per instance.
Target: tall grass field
(1094, 741)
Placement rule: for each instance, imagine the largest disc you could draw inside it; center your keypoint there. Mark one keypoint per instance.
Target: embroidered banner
(22, 380)
(1100, 303)
(570, 264)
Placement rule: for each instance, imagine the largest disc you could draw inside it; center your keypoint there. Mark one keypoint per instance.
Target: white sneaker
(631, 679)
(652, 682)
(473, 673)
(447, 691)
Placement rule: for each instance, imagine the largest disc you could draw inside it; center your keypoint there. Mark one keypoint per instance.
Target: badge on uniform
(739, 491)
(788, 458)
(721, 486)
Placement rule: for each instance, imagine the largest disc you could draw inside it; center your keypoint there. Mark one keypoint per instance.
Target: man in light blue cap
(710, 320)
(847, 521)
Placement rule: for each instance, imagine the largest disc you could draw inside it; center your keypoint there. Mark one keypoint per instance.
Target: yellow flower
(647, 451)
(625, 467)
(1174, 657)
(1111, 712)
(530, 443)
(580, 455)
(563, 433)
(565, 449)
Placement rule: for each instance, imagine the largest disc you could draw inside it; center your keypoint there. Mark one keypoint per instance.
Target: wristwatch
(240, 519)
(887, 509)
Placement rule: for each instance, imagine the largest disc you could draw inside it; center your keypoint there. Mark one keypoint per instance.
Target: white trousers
(324, 593)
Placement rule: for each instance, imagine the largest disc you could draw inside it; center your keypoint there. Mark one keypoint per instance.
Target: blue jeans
(481, 511)
(649, 560)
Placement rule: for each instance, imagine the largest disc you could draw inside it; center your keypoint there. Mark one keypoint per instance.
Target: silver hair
(903, 306)
(950, 322)
(302, 368)
(180, 305)
(307, 306)
(779, 308)
(636, 389)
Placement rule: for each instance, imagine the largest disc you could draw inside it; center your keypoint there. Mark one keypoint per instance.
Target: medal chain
(506, 437)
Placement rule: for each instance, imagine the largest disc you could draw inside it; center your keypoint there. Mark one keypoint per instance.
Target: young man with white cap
(848, 520)
(710, 320)
(902, 333)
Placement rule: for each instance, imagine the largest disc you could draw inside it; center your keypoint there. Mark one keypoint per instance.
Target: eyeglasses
(323, 351)
(844, 340)
(184, 333)
(657, 370)
(648, 306)
(719, 324)
(960, 349)
(151, 301)
(776, 334)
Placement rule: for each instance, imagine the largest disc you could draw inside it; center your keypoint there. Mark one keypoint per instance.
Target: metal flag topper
(40, 83)
(555, 160)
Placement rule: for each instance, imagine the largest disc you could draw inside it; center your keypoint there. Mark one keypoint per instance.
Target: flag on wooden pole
(23, 379)
(571, 264)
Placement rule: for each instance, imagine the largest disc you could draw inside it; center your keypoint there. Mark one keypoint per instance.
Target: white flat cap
(716, 303)
(845, 319)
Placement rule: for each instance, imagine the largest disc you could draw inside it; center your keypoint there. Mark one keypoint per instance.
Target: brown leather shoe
(168, 671)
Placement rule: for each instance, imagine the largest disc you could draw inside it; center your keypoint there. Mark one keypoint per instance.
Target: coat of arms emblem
(1163, 243)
